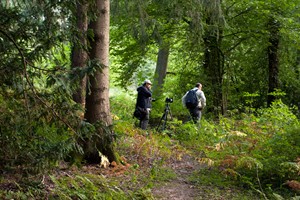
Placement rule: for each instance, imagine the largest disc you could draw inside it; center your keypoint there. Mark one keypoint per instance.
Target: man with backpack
(194, 100)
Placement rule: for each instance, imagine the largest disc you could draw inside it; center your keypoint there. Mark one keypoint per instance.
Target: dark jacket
(144, 97)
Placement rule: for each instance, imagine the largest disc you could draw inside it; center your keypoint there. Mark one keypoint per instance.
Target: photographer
(143, 103)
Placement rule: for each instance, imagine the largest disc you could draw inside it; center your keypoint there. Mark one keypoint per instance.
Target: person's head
(199, 86)
(147, 83)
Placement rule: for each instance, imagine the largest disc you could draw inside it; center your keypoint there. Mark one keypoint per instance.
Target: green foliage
(33, 137)
(280, 157)
(257, 151)
(126, 101)
(39, 125)
(217, 185)
(279, 115)
(160, 174)
(243, 35)
(39, 122)
(86, 187)
(186, 132)
(264, 150)
(29, 194)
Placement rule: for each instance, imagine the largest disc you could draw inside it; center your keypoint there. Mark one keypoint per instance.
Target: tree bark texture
(273, 27)
(97, 99)
(213, 57)
(213, 66)
(79, 50)
(161, 70)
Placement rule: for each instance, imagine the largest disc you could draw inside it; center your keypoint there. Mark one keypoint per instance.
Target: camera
(169, 100)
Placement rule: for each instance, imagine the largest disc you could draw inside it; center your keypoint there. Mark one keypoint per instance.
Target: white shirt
(200, 96)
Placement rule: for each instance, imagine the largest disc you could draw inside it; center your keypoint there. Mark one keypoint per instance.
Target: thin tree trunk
(79, 51)
(273, 26)
(97, 101)
(161, 70)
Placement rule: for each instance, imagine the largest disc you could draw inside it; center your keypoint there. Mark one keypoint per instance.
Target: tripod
(164, 118)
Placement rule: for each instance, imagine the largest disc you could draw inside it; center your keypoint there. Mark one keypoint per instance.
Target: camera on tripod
(169, 100)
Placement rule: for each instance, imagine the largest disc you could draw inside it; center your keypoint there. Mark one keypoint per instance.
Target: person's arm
(202, 99)
(147, 93)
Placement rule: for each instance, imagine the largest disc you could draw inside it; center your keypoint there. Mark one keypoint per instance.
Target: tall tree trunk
(161, 70)
(273, 27)
(213, 65)
(79, 50)
(97, 100)
(213, 57)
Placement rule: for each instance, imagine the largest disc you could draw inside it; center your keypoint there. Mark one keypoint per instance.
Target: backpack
(191, 100)
(139, 113)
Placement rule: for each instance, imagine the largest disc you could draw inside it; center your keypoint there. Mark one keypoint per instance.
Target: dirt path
(180, 188)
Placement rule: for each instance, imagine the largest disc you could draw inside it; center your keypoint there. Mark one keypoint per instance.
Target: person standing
(196, 111)
(143, 103)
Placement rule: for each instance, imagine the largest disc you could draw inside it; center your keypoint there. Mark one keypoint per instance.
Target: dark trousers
(144, 121)
(195, 114)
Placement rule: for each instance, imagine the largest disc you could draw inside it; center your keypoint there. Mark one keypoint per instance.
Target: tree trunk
(213, 70)
(213, 57)
(273, 27)
(161, 70)
(97, 100)
(79, 50)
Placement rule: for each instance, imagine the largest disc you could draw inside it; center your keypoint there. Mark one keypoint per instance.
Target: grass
(215, 186)
(232, 155)
(147, 161)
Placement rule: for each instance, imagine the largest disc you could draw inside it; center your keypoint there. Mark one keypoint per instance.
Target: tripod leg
(170, 114)
(160, 121)
(165, 120)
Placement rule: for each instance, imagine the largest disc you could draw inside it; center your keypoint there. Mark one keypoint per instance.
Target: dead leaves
(116, 169)
(295, 185)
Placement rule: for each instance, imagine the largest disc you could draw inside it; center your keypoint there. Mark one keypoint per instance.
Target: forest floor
(184, 183)
(192, 179)
(184, 186)
(180, 188)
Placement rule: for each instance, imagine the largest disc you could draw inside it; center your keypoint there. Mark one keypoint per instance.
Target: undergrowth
(260, 152)
(257, 151)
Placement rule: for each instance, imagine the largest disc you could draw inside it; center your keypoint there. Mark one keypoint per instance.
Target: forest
(70, 70)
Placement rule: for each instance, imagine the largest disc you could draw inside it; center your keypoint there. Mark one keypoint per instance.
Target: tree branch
(31, 84)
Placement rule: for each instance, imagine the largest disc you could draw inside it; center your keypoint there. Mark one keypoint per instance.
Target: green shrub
(85, 187)
(280, 156)
(278, 117)
(122, 106)
(34, 136)
(259, 151)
